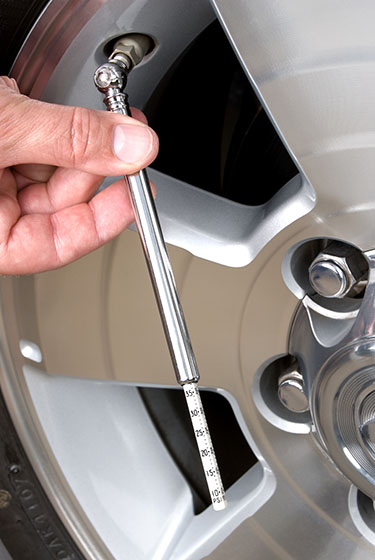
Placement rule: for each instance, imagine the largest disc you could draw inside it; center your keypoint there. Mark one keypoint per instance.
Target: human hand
(52, 161)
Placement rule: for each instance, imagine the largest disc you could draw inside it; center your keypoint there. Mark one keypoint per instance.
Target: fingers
(9, 208)
(32, 173)
(74, 137)
(54, 240)
(54, 219)
(138, 115)
(52, 189)
(65, 188)
(9, 82)
(41, 173)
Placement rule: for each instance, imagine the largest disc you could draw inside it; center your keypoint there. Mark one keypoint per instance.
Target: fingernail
(132, 143)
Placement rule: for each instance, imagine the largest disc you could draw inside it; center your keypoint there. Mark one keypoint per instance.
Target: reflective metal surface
(338, 271)
(110, 78)
(341, 386)
(328, 279)
(291, 392)
(316, 76)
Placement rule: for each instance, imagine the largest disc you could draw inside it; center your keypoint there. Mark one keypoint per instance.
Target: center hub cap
(343, 409)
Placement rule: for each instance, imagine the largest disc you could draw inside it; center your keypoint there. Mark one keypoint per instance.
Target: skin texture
(52, 161)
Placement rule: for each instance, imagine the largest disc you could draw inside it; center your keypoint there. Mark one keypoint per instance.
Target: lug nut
(337, 272)
(291, 392)
(328, 278)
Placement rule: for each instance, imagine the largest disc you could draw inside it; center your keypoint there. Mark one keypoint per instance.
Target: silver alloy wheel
(75, 354)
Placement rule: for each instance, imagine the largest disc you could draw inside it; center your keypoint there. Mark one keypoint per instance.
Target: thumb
(74, 137)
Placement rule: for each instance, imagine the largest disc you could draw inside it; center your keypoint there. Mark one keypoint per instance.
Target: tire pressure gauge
(110, 79)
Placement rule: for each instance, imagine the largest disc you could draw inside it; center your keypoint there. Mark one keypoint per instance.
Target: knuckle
(80, 135)
(10, 124)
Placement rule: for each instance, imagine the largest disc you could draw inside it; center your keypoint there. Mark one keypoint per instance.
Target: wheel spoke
(306, 488)
(104, 324)
(223, 231)
(315, 77)
(97, 318)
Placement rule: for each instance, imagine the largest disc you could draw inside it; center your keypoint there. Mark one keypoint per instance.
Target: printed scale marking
(206, 450)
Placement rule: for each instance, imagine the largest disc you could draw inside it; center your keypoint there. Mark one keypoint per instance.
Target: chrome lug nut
(291, 392)
(336, 273)
(329, 279)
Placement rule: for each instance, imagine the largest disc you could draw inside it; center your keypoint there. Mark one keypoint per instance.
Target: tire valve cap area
(291, 392)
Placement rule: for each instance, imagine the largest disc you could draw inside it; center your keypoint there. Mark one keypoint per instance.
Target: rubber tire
(29, 527)
(16, 20)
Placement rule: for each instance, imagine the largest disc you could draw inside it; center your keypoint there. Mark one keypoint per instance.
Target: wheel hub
(340, 381)
(343, 409)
